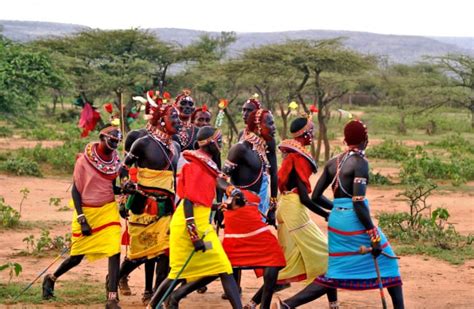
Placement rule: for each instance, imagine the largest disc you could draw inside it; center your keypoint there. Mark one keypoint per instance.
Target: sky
(406, 17)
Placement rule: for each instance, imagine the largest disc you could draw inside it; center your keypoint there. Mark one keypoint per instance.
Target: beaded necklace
(162, 138)
(106, 167)
(341, 159)
(299, 148)
(184, 138)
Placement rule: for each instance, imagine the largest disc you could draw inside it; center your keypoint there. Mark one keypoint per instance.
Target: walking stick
(379, 279)
(175, 281)
(365, 250)
(65, 250)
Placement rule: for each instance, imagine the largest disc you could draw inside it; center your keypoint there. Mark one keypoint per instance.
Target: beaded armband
(374, 235)
(192, 229)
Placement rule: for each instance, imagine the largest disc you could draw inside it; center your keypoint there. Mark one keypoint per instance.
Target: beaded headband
(309, 124)
(213, 138)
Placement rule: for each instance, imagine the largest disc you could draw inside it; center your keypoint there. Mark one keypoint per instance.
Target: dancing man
(350, 227)
(268, 203)
(152, 203)
(248, 241)
(186, 136)
(96, 220)
(191, 229)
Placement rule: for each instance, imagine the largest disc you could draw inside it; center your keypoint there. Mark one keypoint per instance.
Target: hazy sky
(411, 17)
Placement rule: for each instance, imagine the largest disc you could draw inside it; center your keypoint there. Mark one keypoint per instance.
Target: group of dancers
(175, 193)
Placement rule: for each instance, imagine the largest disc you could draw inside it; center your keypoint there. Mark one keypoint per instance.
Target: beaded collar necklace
(161, 137)
(259, 145)
(106, 167)
(299, 148)
(184, 138)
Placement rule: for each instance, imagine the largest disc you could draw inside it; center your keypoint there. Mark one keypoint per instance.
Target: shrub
(5, 132)
(13, 269)
(9, 217)
(455, 143)
(21, 167)
(422, 231)
(389, 150)
(45, 243)
(420, 164)
(378, 179)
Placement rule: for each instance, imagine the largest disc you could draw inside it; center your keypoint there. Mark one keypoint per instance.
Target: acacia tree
(268, 71)
(413, 89)
(329, 69)
(208, 73)
(118, 62)
(460, 70)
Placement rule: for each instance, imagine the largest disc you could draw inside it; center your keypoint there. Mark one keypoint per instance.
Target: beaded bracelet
(374, 235)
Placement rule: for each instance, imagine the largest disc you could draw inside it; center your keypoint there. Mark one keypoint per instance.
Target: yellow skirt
(149, 237)
(213, 261)
(105, 239)
(303, 243)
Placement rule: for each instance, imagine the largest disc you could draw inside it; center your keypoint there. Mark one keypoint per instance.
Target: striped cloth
(347, 268)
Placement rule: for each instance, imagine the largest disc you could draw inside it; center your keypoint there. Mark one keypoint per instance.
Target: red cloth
(302, 167)
(88, 120)
(258, 250)
(197, 183)
(95, 187)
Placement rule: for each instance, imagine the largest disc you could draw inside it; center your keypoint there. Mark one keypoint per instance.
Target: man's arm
(359, 189)
(323, 182)
(305, 200)
(81, 218)
(191, 226)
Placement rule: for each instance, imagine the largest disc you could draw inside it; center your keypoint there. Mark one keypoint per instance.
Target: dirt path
(13, 143)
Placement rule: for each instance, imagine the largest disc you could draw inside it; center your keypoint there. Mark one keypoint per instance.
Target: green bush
(40, 133)
(378, 179)
(388, 150)
(455, 143)
(21, 167)
(9, 217)
(61, 158)
(45, 243)
(419, 163)
(5, 132)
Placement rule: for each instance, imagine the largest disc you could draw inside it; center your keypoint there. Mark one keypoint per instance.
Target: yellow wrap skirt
(303, 243)
(213, 261)
(149, 234)
(105, 239)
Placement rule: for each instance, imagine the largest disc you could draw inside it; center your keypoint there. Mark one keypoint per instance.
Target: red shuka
(300, 164)
(197, 180)
(248, 242)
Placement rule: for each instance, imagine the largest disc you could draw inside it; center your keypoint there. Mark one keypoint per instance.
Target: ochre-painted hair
(355, 132)
(255, 120)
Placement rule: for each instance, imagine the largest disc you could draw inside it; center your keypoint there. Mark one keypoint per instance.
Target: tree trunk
(323, 137)
(284, 118)
(402, 126)
(317, 152)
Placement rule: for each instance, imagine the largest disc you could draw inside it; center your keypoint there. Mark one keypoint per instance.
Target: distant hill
(398, 48)
(24, 31)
